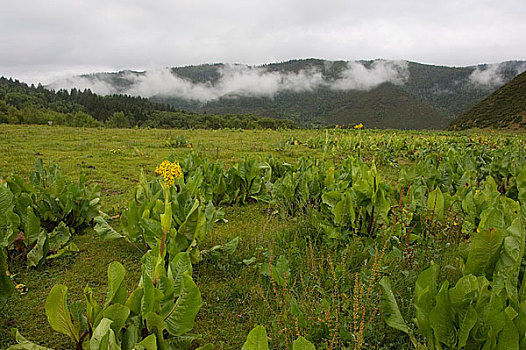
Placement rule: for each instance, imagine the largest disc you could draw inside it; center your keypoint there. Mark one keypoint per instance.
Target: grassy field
(236, 296)
(114, 159)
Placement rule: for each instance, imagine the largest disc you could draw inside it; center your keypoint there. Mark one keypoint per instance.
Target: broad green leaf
(466, 320)
(491, 218)
(425, 292)
(508, 338)
(148, 295)
(441, 318)
(194, 222)
(302, 344)
(484, 252)
(180, 317)
(148, 343)
(116, 285)
(256, 339)
(435, 204)
(178, 265)
(57, 312)
(130, 337)
(23, 343)
(92, 307)
(39, 251)
(118, 314)
(390, 307)
(509, 261)
(104, 230)
(32, 226)
(281, 270)
(103, 337)
(134, 300)
(155, 325)
(59, 237)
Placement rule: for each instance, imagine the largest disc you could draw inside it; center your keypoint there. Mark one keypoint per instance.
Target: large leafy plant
(158, 314)
(37, 218)
(486, 307)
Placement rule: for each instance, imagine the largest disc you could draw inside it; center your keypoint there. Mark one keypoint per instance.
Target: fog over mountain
(235, 80)
(386, 93)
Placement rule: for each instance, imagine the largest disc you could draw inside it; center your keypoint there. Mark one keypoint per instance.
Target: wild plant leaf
(23, 343)
(484, 252)
(256, 339)
(441, 318)
(118, 314)
(193, 223)
(32, 227)
(39, 251)
(491, 218)
(180, 317)
(508, 338)
(104, 230)
(116, 293)
(435, 204)
(148, 294)
(425, 292)
(302, 344)
(130, 337)
(509, 261)
(148, 343)
(155, 324)
(280, 270)
(92, 307)
(176, 269)
(57, 312)
(390, 307)
(103, 337)
(134, 300)
(466, 320)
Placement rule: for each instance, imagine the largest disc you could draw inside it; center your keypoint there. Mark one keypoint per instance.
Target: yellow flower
(358, 126)
(169, 171)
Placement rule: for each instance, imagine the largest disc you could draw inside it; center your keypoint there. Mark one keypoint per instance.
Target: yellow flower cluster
(358, 126)
(169, 171)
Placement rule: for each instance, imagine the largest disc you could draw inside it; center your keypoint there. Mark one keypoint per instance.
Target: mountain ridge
(316, 92)
(505, 108)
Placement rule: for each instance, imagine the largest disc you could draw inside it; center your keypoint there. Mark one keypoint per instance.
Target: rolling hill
(313, 92)
(505, 108)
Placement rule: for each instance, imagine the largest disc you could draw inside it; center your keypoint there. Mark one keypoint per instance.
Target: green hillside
(505, 108)
(427, 97)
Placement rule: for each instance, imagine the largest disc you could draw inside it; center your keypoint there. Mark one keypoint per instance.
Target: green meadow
(352, 239)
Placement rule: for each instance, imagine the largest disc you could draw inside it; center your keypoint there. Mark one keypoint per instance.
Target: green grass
(89, 151)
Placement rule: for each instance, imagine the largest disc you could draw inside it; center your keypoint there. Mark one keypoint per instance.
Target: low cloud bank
(492, 75)
(242, 81)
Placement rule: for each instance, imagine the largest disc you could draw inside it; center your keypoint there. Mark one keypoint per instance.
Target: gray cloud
(489, 76)
(241, 80)
(42, 38)
(358, 77)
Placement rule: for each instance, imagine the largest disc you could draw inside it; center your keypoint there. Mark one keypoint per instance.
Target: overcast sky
(43, 40)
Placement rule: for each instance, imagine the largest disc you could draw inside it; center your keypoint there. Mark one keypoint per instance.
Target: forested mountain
(23, 104)
(313, 92)
(505, 108)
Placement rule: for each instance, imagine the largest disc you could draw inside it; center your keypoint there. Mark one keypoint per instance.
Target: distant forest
(24, 104)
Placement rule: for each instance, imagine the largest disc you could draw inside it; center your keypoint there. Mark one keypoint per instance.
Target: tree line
(29, 104)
